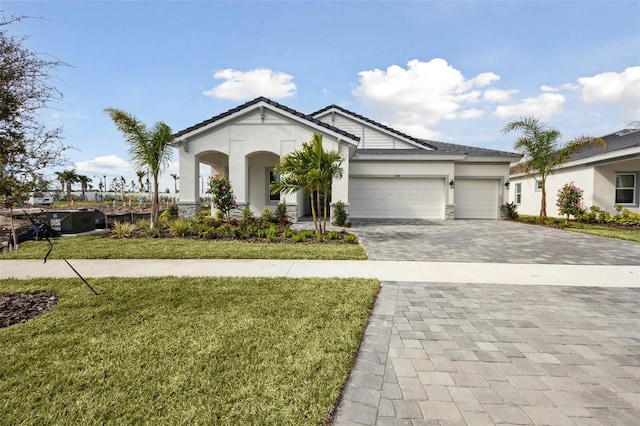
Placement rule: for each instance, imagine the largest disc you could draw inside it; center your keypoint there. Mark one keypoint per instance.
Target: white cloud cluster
(425, 93)
(614, 88)
(542, 107)
(105, 165)
(243, 85)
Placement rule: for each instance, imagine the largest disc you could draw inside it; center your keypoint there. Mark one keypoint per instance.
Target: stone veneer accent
(450, 212)
(188, 210)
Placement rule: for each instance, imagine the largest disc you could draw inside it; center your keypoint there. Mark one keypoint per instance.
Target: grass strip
(177, 248)
(605, 231)
(215, 351)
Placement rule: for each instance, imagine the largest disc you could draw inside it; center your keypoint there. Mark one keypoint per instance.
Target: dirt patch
(18, 308)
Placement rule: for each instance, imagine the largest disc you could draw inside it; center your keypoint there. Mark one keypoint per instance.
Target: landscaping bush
(508, 211)
(281, 212)
(123, 229)
(339, 214)
(267, 216)
(623, 216)
(350, 238)
(333, 235)
(180, 227)
(569, 200)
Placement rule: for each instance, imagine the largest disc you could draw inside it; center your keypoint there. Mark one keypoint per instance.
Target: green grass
(604, 231)
(168, 350)
(176, 248)
(585, 228)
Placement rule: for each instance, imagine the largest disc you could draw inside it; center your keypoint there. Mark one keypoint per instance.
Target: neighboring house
(608, 176)
(386, 173)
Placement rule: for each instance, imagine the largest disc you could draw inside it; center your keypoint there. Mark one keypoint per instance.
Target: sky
(454, 71)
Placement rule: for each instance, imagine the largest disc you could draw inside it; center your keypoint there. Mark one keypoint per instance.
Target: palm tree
(542, 151)
(141, 174)
(175, 182)
(148, 148)
(311, 169)
(84, 183)
(67, 179)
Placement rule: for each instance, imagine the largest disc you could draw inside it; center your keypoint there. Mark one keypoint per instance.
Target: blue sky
(450, 71)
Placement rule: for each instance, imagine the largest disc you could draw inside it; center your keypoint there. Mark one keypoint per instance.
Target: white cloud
(542, 107)
(423, 94)
(242, 85)
(105, 165)
(471, 113)
(498, 96)
(614, 88)
(566, 86)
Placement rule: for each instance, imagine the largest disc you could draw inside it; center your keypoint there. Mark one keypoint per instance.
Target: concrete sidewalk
(407, 271)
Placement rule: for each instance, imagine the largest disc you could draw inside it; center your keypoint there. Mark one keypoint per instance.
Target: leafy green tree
(27, 146)
(542, 151)
(67, 179)
(312, 170)
(148, 148)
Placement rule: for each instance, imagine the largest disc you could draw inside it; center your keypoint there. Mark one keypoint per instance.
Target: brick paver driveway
(483, 354)
(469, 354)
(490, 241)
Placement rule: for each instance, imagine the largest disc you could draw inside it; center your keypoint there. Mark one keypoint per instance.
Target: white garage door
(396, 198)
(476, 199)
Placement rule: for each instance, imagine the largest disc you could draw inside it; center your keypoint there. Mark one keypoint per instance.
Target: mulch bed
(18, 308)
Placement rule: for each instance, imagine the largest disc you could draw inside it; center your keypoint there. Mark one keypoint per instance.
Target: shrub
(144, 226)
(223, 198)
(267, 216)
(339, 214)
(333, 235)
(180, 227)
(298, 237)
(287, 233)
(123, 229)
(350, 239)
(569, 200)
(280, 213)
(247, 215)
(173, 210)
(508, 211)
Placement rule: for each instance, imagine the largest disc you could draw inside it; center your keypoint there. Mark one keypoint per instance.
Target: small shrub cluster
(509, 211)
(270, 227)
(623, 217)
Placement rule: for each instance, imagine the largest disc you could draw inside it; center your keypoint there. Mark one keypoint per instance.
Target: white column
(189, 178)
(238, 176)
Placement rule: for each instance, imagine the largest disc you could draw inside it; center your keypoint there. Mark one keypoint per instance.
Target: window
(272, 178)
(626, 188)
(518, 193)
(538, 185)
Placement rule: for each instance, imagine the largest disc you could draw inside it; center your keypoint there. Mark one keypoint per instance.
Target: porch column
(238, 176)
(189, 196)
(340, 187)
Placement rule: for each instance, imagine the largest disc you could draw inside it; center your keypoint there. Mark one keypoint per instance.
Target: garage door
(476, 199)
(396, 198)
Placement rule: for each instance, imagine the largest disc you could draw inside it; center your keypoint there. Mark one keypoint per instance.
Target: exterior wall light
(452, 184)
(507, 184)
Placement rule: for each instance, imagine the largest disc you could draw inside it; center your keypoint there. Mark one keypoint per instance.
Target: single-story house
(386, 173)
(608, 176)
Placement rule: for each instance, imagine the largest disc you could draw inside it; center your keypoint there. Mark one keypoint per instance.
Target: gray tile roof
(627, 138)
(272, 103)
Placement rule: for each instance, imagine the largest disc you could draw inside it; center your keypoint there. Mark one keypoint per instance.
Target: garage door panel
(396, 198)
(476, 198)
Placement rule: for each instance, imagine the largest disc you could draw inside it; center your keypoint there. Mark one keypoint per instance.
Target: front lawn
(628, 233)
(183, 248)
(183, 351)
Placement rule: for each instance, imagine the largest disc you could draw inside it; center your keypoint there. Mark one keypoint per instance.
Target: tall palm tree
(310, 169)
(141, 174)
(175, 182)
(67, 178)
(542, 151)
(84, 184)
(148, 148)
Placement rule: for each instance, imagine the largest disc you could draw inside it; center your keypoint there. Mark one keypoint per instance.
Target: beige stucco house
(386, 173)
(608, 176)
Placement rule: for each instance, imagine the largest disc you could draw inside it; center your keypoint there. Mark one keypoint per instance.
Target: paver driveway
(482, 354)
(490, 241)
